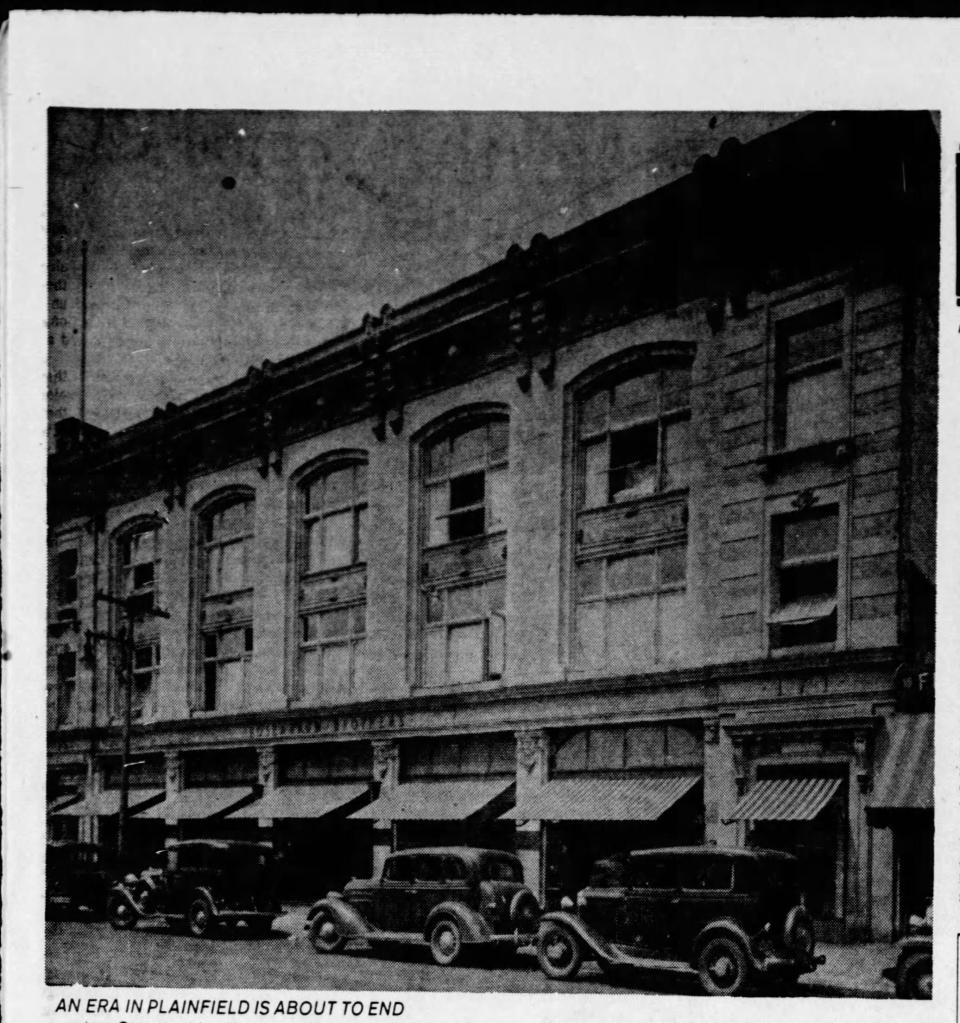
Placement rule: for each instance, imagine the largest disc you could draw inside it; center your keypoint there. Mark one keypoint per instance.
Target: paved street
(92, 953)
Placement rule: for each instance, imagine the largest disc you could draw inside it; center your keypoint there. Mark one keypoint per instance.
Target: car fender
(123, 891)
(350, 923)
(594, 944)
(206, 893)
(473, 927)
(730, 928)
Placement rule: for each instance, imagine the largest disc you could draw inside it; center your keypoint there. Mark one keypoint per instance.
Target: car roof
(69, 843)
(726, 851)
(463, 851)
(218, 843)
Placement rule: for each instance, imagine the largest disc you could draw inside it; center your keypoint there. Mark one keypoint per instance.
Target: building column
(719, 785)
(173, 773)
(533, 749)
(386, 773)
(883, 894)
(88, 829)
(267, 779)
(858, 839)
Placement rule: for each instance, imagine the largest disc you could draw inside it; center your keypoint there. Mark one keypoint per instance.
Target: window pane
(465, 524)
(143, 657)
(810, 534)
(361, 534)
(314, 542)
(210, 645)
(141, 547)
(630, 639)
(213, 558)
(142, 576)
(593, 413)
(589, 636)
(499, 497)
(334, 623)
(310, 662)
(673, 565)
(466, 653)
(336, 670)
(339, 487)
(636, 572)
(315, 496)
(436, 513)
(676, 389)
(676, 453)
(311, 628)
(589, 579)
(673, 626)
(338, 540)
(815, 409)
(596, 482)
(233, 568)
(633, 400)
(496, 594)
(497, 639)
(468, 447)
(633, 462)
(466, 602)
(358, 619)
(434, 670)
(231, 643)
(803, 582)
(466, 490)
(498, 440)
(434, 606)
(437, 457)
(230, 684)
(811, 336)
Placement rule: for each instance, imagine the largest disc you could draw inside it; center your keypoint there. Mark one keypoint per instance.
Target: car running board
(620, 957)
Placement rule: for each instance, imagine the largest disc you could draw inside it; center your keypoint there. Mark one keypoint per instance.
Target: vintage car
(734, 917)
(453, 898)
(202, 883)
(79, 877)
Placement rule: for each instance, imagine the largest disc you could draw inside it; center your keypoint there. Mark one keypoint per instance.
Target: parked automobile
(203, 884)
(734, 917)
(79, 877)
(452, 898)
(912, 974)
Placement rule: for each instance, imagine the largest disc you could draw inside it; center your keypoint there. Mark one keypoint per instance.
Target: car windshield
(609, 873)
(501, 868)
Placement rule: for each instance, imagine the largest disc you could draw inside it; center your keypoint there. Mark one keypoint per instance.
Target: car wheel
(200, 918)
(324, 935)
(120, 913)
(558, 952)
(722, 966)
(446, 942)
(916, 977)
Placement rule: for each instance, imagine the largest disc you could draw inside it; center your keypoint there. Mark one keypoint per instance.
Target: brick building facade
(626, 540)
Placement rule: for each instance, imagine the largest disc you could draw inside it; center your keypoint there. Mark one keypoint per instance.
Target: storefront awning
(106, 804)
(905, 779)
(603, 799)
(434, 800)
(303, 801)
(785, 799)
(198, 804)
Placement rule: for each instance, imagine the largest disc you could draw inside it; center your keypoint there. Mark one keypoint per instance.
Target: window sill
(467, 541)
(453, 688)
(839, 452)
(226, 594)
(660, 496)
(804, 648)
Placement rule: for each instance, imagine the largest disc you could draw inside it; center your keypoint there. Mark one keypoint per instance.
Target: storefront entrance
(913, 857)
(322, 855)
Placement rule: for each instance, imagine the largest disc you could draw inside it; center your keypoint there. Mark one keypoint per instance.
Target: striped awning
(905, 779)
(106, 804)
(306, 802)
(435, 800)
(198, 804)
(584, 798)
(785, 799)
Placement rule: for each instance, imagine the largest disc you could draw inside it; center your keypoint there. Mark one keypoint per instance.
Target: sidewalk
(852, 971)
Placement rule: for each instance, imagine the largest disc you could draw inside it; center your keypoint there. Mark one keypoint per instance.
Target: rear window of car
(400, 869)
(706, 873)
(653, 872)
(501, 868)
(453, 869)
(427, 868)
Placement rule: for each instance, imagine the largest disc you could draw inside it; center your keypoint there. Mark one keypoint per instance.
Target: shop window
(67, 588)
(334, 762)
(143, 773)
(805, 555)
(481, 756)
(227, 533)
(810, 392)
(633, 438)
(226, 656)
(220, 768)
(630, 610)
(465, 482)
(66, 685)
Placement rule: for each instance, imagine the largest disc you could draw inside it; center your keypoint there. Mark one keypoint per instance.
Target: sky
(218, 239)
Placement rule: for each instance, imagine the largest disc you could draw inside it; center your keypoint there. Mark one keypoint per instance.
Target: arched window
(630, 545)
(331, 562)
(463, 551)
(136, 579)
(225, 570)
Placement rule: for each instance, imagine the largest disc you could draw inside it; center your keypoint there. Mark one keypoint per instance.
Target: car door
(706, 893)
(390, 907)
(645, 919)
(428, 889)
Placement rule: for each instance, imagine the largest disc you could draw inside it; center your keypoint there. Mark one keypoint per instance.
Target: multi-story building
(626, 540)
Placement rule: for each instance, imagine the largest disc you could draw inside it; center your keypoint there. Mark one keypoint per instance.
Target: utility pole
(125, 640)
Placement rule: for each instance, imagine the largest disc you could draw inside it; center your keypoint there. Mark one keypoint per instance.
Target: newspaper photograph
(487, 552)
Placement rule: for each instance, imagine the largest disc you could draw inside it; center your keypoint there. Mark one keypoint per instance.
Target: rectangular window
(331, 652)
(146, 664)
(335, 519)
(811, 401)
(66, 567)
(804, 549)
(630, 610)
(139, 557)
(465, 634)
(66, 685)
(227, 550)
(226, 662)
